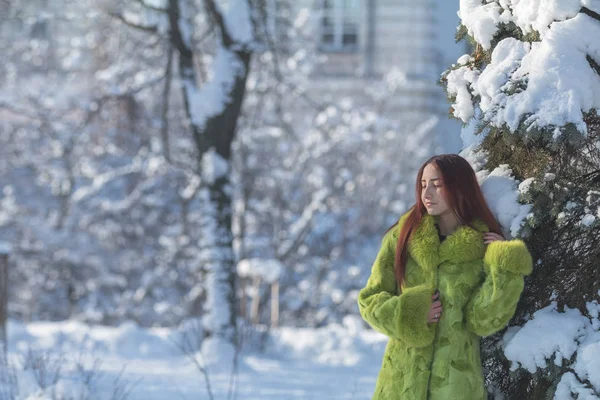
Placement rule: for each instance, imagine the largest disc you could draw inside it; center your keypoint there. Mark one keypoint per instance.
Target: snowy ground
(335, 362)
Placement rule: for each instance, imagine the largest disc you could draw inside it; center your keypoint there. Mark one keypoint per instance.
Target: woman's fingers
(490, 237)
(436, 308)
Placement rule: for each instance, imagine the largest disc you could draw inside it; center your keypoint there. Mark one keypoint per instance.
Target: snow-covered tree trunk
(213, 110)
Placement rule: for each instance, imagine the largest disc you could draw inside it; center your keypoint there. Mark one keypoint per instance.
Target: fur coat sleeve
(492, 305)
(403, 316)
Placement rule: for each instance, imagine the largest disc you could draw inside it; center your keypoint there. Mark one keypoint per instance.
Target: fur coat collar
(463, 245)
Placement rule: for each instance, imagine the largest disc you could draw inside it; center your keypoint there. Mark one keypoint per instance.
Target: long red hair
(461, 192)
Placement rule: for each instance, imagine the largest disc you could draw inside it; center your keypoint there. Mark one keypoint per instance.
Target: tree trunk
(216, 134)
(254, 316)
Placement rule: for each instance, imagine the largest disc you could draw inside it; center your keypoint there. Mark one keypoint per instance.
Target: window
(339, 25)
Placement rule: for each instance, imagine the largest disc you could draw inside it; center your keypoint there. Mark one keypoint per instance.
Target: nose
(428, 192)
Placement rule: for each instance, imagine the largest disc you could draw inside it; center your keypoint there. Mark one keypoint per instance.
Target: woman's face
(432, 191)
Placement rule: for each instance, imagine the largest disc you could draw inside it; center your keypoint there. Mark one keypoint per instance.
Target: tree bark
(218, 133)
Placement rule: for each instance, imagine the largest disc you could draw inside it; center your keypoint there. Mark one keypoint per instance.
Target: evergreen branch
(590, 13)
(144, 28)
(592, 176)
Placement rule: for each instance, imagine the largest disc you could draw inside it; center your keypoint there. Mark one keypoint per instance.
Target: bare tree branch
(175, 33)
(593, 63)
(164, 131)
(144, 28)
(591, 13)
(217, 18)
(150, 7)
(16, 110)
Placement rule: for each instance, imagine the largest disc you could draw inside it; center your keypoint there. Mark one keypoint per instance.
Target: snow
(481, 20)
(213, 166)
(593, 5)
(588, 220)
(333, 362)
(526, 185)
(307, 217)
(561, 82)
(501, 191)
(217, 315)
(5, 248)
(459, 81)
(337, 361)
(551, 333)
(269, 270)
(465, 58)
(568, 385)
(217, 354)
(467, 133)
(548, 83)
(506, 58)
(213, 96)
(588, 362)
(548, 177)
(185, 27)
(547, 333)
(538, 15)
(238, 21)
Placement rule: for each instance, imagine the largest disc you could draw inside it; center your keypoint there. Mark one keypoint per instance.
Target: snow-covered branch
(547, 83)
(144, 28)
(297, 231)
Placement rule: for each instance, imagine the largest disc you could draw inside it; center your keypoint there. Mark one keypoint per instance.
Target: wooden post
(243, 302)
(275, 304)
(255, 301)
(4, 252)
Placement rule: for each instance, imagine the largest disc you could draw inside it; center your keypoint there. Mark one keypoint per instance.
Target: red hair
(463, 195)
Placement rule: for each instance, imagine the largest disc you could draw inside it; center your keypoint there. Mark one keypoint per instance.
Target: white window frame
(339, 15)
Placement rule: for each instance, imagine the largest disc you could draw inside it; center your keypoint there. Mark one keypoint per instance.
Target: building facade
(407, 43)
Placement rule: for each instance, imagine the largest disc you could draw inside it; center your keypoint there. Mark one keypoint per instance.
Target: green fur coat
(479, 287)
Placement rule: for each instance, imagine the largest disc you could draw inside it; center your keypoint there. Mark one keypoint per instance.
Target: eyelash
(435, 186)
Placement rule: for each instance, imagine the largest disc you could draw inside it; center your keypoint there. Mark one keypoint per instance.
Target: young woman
(444, 277)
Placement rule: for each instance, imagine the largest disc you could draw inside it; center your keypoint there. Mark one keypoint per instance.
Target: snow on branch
(269, 270)
(237, 21)
(102, 180)
(298, 228)
(212, 98)
(153, 7)
(551, 334)
(134, 24)
(544, 84)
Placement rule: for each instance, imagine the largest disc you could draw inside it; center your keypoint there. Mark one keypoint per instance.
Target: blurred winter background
(192, 192)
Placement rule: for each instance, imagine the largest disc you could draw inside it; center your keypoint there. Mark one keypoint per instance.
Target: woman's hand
(435, 309)
(490, 237)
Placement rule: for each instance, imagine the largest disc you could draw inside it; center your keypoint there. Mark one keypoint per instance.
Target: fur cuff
(509, 255)
(412, 322)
